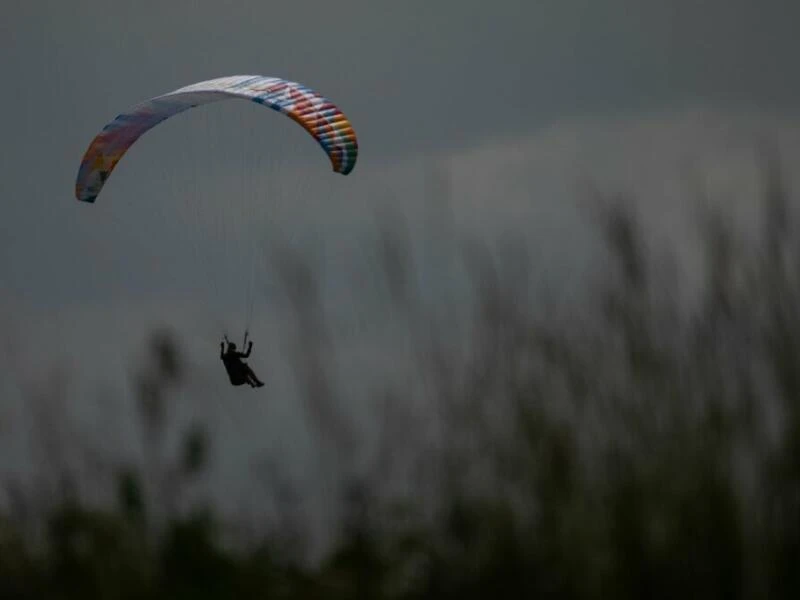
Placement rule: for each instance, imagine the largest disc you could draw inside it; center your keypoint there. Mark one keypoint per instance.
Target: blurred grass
(625, 453)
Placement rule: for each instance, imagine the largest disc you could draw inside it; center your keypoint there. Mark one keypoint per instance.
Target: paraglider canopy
(316, 114)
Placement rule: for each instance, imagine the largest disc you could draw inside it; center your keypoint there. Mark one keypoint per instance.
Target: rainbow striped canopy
(316, 114)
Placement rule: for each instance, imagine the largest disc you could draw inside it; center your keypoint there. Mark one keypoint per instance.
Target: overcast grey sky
(412, 73)
(508, 102)
(415, 77)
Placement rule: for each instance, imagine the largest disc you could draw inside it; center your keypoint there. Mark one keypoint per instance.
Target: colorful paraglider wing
(317, 115)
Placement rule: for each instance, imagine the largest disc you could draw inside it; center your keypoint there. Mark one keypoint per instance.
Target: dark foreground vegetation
(647, 447)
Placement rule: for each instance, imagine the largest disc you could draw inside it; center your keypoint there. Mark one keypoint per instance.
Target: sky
(475, 119)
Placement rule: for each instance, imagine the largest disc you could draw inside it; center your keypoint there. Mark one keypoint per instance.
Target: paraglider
(239, 372)
(317, 115)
